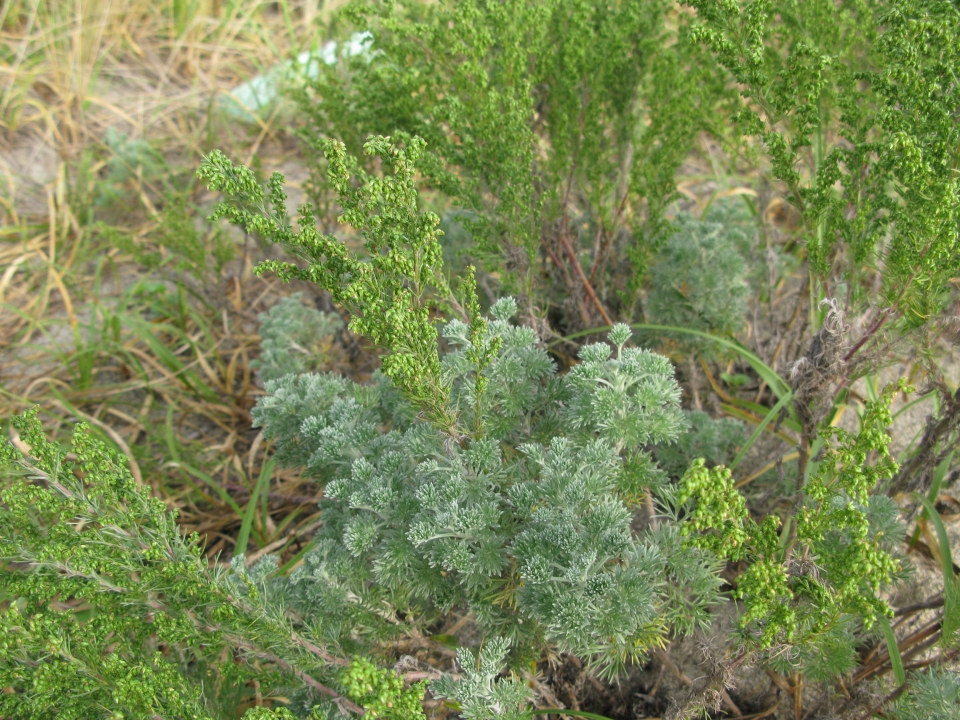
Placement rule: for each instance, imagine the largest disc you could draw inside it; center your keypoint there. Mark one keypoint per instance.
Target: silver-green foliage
(933, 694)
(698, 281)
(485, 480)
(292, 338)
(716, 440)
(525, 523)
(480, 694)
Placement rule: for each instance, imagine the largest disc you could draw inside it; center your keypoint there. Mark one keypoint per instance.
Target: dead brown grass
(165, 377)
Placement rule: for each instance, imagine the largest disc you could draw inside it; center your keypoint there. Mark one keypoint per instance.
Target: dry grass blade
(90, 92)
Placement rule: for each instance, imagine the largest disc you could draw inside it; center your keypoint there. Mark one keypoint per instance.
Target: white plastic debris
(256, 97)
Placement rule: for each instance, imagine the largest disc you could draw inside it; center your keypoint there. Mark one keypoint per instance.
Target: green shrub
(106, 609)
(808, 580)
(510, 497)
(470, 474)
(554, 126)
(853, 102)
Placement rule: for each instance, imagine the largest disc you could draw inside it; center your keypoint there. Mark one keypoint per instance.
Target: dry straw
(175, 384)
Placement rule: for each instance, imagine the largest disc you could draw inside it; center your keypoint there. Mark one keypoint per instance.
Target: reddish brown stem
(588, 288)
(871, 331)
(319, 652)
(608, 240)
(926, 605)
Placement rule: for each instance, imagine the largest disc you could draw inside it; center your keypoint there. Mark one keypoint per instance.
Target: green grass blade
(753, 419)
(761, 410)
(778, 385)
(936, 481)
(813, 465)
(951, 592)
(774, 411)
(287, 567)
(907, 406)
(221, 492)
(189, 469)
(144, 331)
(571, 713)
(896, 662)
(169, 436)
(939, 474)
(266, 473)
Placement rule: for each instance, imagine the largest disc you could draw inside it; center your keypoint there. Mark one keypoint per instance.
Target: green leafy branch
(105, 604)
(878, 81)
(838, 562)
(395, 291)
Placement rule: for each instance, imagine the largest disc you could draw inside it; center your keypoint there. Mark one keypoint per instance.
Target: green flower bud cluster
(720, 513)
(855, 104)
(838, 562)
(556, 118)
(394, 291)
(80, 623)
(382, 692)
